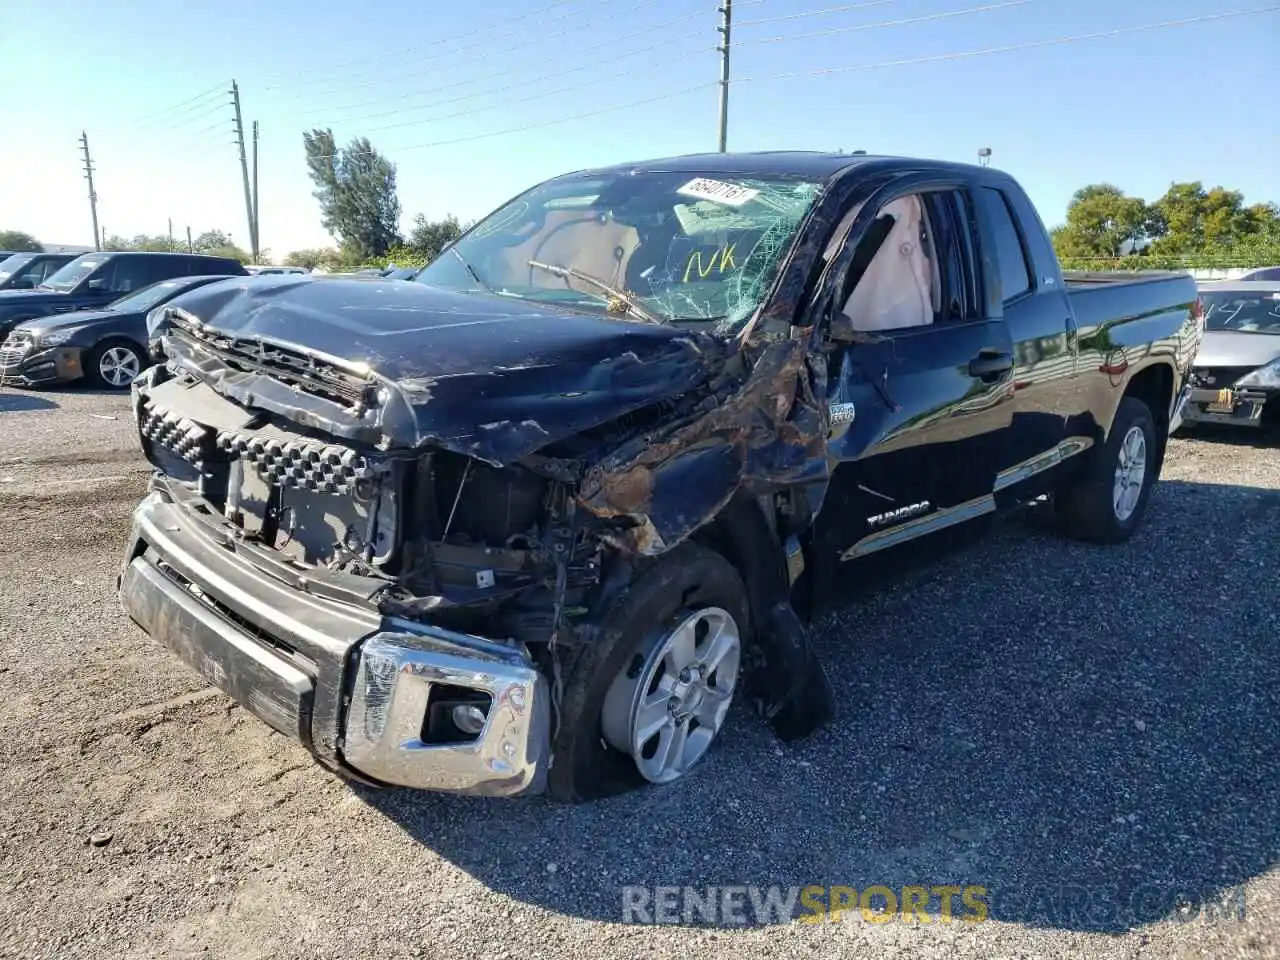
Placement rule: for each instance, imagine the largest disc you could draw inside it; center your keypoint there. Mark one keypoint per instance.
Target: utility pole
(171, 234)
(726, 22)
(93, 196)
(257, 236)
(244, 169)
(190, 248)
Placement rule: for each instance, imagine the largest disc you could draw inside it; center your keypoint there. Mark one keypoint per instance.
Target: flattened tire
(691, 577)
(1097, 509)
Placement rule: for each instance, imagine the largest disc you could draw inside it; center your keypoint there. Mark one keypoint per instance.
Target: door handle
(989, 365)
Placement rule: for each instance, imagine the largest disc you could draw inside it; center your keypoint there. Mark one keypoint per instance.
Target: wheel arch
(788, 682)
(1153, 384)
(744, 535)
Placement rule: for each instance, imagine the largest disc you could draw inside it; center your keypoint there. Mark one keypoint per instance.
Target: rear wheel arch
(1153, 385)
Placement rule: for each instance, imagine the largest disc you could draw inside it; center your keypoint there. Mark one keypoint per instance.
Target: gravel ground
(1062, 725)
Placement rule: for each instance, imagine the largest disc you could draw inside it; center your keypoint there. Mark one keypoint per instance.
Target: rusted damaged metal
(767, 435)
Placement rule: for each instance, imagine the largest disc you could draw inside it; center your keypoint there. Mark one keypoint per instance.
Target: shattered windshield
(1242, 312)
(662, 247)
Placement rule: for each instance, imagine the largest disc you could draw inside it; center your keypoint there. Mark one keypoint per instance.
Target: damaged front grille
(187, 439)
(280, 460)
(316, 376)
(317, 467)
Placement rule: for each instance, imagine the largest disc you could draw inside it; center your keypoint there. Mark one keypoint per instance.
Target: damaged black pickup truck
(534, 520)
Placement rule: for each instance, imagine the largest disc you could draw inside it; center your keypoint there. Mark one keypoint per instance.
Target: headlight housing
(52, 338)
(1265, 376)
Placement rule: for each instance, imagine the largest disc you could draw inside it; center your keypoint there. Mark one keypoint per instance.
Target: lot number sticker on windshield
(718, 192)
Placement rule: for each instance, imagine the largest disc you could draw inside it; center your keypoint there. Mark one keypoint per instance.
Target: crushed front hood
(491, 377)
(1227, 348)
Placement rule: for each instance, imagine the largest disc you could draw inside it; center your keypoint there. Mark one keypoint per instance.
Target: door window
(134, 273)
(913, 267)
(1009, 254)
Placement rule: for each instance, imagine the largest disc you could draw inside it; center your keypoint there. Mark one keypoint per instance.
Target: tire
(687, 581)
(1093, 509)
(110, 355)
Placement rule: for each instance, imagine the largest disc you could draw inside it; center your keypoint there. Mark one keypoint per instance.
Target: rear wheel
(644, 701)
(115, 363)
(1109, 501)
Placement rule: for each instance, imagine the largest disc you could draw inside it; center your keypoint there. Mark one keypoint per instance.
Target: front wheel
(644, 700)
(1109, 501)
(115, 363)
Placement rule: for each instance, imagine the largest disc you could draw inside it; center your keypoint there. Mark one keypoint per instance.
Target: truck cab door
(1048, 403)
(920, 372)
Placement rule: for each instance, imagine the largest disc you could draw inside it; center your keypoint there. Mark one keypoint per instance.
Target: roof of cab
(807, 164)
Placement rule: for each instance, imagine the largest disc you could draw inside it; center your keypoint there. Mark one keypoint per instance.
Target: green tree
(1101, 222)
(211, 240)
(160, 243)
(19, 241)
(356, 188)
(230, 251)
(428, 237)
(1190, 219)
(310, 259)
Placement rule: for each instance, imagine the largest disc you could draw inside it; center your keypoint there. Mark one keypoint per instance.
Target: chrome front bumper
(350, 685)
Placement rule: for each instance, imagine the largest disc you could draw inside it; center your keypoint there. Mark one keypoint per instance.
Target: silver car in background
(1236, 377)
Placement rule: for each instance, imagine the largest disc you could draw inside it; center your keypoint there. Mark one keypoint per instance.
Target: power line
(892, 23)
(1120, 31)
(853, 68)
(613, 58)
(546, 123)
(538, 41)
(145, 118)
(179, 124)
(435, 56)
(506, 102)
(846, 8)
(479, 31)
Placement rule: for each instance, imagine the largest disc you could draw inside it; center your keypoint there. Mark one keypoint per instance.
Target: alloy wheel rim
(667, 708)
(118, 366)
(1131, 473)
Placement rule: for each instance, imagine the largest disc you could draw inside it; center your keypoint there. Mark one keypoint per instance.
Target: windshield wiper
(470, 269)
(617, 296)
(45, 286)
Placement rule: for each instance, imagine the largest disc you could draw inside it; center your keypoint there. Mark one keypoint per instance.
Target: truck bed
(1101, 298)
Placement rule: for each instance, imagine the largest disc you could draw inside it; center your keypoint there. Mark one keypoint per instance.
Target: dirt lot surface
(1061, 725)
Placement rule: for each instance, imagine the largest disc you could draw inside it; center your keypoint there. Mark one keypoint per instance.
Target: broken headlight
(1266, 376)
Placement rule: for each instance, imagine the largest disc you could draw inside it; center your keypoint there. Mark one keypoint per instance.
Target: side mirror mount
(96, 286)
(840, 328)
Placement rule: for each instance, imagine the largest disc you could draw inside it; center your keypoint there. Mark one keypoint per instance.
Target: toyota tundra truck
(534, 521)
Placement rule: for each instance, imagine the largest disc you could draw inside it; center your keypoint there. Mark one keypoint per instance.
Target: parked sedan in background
(26, 271)
(1263, 273)
(1236, 377)
(106, 346)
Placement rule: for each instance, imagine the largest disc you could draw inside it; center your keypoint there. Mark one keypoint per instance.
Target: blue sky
(1140, 110)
